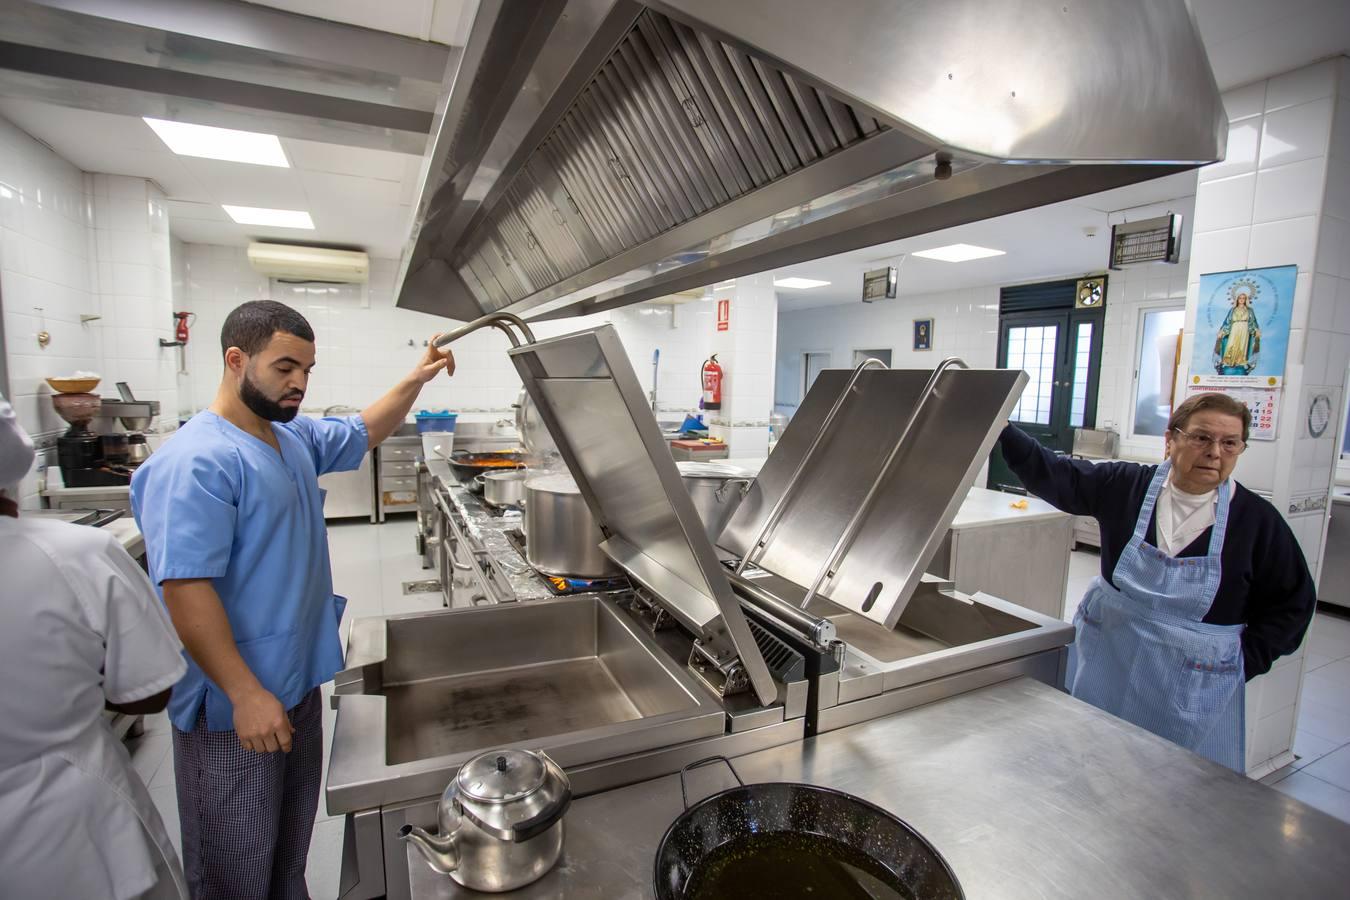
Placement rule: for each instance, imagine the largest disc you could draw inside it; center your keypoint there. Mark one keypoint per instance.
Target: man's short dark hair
(251, 325)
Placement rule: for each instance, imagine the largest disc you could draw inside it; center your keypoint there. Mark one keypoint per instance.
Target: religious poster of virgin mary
(1242, 327)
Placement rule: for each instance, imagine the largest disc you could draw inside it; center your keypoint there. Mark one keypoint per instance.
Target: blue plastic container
(436, 421)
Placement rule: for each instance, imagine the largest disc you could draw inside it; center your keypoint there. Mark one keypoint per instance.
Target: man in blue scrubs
(233, 520)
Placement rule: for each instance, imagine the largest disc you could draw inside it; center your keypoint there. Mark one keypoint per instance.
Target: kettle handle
(543, 820)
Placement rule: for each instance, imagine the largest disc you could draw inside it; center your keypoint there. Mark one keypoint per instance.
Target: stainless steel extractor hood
(596, 153)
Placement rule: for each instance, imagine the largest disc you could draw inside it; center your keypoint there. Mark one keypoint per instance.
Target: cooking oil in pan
(786, 864)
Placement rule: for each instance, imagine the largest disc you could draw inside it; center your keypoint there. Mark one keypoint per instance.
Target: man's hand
(261, 723)
(433, 361)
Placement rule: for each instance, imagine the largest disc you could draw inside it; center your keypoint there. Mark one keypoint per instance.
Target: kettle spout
(441, 853)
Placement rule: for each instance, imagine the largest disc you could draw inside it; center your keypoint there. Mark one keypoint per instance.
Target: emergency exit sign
(723, 315)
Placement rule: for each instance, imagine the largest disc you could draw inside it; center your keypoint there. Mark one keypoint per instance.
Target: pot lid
(554, 483)
(499, 776)
(719, 470)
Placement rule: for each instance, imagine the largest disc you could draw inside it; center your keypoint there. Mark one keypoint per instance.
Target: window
(1082, 368)
(1032, 349)
(883, 356)
(1155, 365)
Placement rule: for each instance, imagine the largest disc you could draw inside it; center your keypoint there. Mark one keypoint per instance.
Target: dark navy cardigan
(1265, 582)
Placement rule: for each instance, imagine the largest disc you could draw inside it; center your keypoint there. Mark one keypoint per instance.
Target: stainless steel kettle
(500, 821)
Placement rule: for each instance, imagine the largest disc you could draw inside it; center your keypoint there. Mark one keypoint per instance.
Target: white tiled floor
(371, 563)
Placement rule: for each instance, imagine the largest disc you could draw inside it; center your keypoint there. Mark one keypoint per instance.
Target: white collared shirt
(1182, 517)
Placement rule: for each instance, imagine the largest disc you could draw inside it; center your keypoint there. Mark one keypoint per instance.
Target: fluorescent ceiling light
(958, 253)
(205, 141)
(798, 283)
(277, 218)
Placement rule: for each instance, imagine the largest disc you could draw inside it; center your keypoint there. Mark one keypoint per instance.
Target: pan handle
(684, 795)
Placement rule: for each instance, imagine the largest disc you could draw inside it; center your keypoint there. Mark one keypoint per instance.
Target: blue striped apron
(1143, 653)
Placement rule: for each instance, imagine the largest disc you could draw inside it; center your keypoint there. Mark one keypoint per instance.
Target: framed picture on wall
(923, 334)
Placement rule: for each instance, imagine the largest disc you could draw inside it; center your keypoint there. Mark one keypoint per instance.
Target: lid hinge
(723, 678)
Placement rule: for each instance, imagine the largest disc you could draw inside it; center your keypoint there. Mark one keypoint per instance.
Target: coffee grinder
(79, 451)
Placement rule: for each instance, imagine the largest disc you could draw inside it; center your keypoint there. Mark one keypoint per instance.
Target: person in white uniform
(81, 630)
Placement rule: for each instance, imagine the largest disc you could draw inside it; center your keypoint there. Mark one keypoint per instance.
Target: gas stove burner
(564, 587)
(561, 586)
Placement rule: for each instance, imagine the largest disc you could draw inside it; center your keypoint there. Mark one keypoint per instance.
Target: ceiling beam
(228, 64)
(273, 31)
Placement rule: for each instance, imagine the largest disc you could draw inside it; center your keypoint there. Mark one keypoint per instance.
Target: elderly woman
(1202, 584)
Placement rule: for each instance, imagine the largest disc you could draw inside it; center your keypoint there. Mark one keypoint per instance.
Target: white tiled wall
(44, 265)
(363, 339)
(74, 245)
(746, 352)
(684, 335)
(965, 324)
(1282, 197)
(129, 234)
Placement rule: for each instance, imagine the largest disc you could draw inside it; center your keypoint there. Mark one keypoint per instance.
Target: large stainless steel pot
(503, 488)
(500, 822)
(716, 489)
(561, 537)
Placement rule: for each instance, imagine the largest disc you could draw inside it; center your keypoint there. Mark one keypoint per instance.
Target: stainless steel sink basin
(934, 620)
(573, 676)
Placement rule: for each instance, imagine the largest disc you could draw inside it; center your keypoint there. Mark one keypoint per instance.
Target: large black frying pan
(786, 840)
(468, 466)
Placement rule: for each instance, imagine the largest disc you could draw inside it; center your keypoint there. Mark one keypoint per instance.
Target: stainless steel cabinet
(398, 474)
(348, 494)
(1334, 584)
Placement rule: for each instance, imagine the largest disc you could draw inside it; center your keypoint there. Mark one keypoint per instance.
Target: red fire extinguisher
(712, 376)
(184, 320)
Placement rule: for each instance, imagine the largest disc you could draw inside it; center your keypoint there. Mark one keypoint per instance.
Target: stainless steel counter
(1026, 791)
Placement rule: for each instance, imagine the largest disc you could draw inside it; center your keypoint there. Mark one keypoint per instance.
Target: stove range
(564, 587)
(497, 512)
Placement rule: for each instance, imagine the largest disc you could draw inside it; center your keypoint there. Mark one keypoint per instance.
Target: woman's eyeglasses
(1229, 446)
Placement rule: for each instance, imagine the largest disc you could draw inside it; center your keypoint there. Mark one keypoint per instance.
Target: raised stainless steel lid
(589, 397)
(500, 776)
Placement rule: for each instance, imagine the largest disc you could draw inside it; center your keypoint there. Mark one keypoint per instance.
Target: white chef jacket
(79, 624)
(16, 451)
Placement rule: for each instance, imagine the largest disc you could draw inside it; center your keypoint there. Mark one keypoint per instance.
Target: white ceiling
(1048, 241)
(442, 21)
(1248, 40)
(356, 196)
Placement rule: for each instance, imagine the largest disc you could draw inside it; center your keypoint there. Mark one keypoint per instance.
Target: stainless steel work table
(1026, 791)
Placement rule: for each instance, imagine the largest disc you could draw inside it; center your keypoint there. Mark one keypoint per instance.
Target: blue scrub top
(216, 502)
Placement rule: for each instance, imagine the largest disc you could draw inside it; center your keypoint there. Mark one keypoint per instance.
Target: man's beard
(263, 405)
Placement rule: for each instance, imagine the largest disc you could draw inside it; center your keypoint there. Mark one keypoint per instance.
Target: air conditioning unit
(288, 262)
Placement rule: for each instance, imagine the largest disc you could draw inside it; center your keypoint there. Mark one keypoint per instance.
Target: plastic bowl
(73, 385)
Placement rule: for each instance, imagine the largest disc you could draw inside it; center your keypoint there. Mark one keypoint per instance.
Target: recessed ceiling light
(208, 142)
(798, 283)
(277, 218)
(958, 253)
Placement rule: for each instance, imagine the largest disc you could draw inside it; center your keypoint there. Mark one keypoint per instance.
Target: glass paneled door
(1061, 354)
